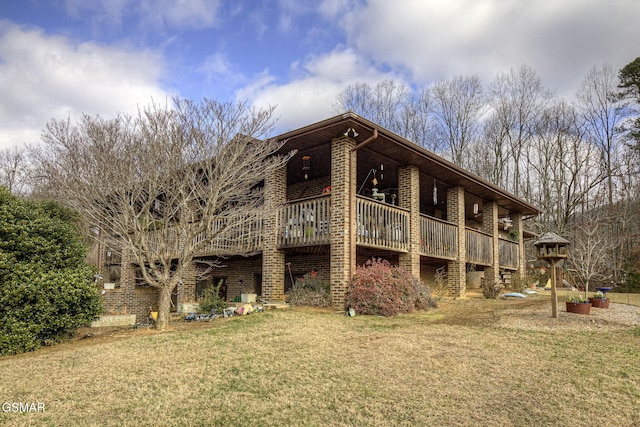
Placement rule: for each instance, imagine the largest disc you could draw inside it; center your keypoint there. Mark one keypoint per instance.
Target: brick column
(342, 231)
(275, 194)
(490, 226)
(123, 298)
(518, 228)
(457, 270)
(187, 288)
(409, 198)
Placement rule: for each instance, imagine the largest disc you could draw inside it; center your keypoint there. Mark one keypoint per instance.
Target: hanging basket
(578, 307)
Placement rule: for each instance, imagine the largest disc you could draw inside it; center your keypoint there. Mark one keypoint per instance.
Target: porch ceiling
(399, 151)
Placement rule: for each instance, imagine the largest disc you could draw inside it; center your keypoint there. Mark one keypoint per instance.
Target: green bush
(46, 289)
(379, 288)
(310, 291)
(210, 300)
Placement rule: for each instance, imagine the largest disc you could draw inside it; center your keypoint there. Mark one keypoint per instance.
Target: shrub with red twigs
(379, 288)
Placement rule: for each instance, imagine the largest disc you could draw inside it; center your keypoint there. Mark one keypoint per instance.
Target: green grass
(449, 366)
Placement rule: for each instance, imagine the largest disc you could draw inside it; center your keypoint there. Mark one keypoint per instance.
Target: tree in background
(163, 184)
(603, 115)
(457, 107)
(629, 77)
(591, 243)
(563, 167)
(46, 289)
(517, 99)
(14, 170)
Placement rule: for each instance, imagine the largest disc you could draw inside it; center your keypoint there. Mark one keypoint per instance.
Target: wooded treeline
(577, 159)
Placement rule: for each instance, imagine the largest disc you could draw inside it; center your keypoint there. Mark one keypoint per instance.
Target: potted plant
(600, 300)
(578, 304)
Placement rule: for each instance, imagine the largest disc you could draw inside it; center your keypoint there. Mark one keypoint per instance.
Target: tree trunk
(164, 306)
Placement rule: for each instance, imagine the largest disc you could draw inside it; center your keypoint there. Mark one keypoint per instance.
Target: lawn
(460, 364)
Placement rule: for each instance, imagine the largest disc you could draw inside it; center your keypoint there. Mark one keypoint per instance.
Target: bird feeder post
(553, 249)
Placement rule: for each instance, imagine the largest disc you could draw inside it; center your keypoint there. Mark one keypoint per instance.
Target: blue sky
(62, 58)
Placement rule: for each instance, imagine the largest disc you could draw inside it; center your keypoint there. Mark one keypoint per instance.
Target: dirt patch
(538, 317)
(534, 313)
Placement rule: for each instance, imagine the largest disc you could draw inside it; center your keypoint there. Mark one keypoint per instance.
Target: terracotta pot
(599, 302)
(578, 307)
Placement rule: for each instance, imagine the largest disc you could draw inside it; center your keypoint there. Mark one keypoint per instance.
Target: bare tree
(457, 108)
(391, 105)
(591, 244)
(14, 170)
(603, 113)
(562, 167)
(517, 98)
(163, 183)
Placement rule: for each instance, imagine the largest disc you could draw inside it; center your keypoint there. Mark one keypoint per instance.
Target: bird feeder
(552, 248)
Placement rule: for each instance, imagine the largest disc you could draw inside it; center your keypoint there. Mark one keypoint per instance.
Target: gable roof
(388, 144)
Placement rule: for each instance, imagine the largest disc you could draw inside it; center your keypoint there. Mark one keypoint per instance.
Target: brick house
(354, 191)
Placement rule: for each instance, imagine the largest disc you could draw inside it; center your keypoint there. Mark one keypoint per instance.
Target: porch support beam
(409, 198)
(457, 269)
(273, 268)
(342, 229)
(518, 229)
(187, 288)
(490, 226)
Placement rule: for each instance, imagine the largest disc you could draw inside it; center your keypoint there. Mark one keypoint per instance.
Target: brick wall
(304, 263)
(131, 301)
(310, 188)
(243, 276)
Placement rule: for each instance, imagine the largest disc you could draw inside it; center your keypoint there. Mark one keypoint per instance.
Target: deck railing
(163, 240)
(438, 238)
(508, 254)
(304, 223)
(479, 247)
(240, 238)
(381, 225)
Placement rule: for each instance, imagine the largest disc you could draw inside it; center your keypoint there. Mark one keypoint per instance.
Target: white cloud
(155, 13)
(218, 66)
(433, 38)
(311, 93)
(182, 13)
(334, 9)
(42, 77)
